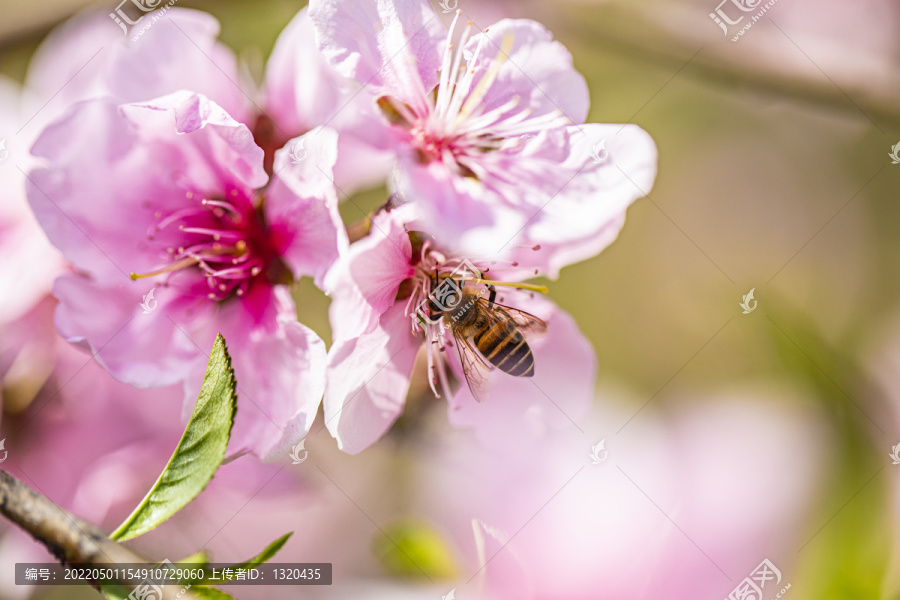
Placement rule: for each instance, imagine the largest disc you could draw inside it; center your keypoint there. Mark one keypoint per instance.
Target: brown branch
(621, 28)
(68, 538)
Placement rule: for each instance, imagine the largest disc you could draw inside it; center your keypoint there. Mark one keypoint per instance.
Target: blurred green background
(773, 174)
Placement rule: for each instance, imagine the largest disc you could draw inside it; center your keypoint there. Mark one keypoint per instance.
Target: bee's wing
(525, 322)
(475, 368)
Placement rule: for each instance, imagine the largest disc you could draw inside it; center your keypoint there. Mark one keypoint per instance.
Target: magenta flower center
(225, 239)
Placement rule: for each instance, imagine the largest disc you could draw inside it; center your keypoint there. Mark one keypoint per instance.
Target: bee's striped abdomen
(505, 347)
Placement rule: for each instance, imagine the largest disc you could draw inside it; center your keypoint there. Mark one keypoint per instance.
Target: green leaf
(198, 454)
(257, 560)
(197, 591)
(267, 553)
(210, 593)
(200, 558)
(115, 592)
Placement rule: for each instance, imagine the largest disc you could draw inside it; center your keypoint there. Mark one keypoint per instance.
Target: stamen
(488, 80)
(178, 215)
(442, 374)
(223, 205)
(216, 234)
(216, 244)
(472, 168)
(462, 89)
(445, 95)
(445, 65)
(522, 286)
(175, 266)
(480, 122)
(429, 356)
(550, 120)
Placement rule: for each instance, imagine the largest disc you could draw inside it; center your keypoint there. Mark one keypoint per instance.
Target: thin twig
(623, 29)
(68, 538)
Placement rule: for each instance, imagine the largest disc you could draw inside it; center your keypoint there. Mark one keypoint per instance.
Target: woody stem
(68, 538)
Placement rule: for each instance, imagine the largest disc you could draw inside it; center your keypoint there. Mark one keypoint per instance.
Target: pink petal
(179, 51)
(391, 46)
(538, 70)
(193, 112)
(301, 205)
(718, 451)
(31, 262)
(77, 52)
(281, 379)
(302, 89)
(520, 409)
(164, 355)
(363, 284)
(587, 211)
(367, 381)
(460, 212)
(28, 351)
(361, 164)
(98, 201)
(629, 524)
(504, 569)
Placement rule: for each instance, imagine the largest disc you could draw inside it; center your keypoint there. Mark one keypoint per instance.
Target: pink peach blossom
(679, 505)
(30, 265)
(376, 288)
(488, 130)
(180, 52)
(169, 188)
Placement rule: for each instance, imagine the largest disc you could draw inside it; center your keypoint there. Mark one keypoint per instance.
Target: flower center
(435, 288)
(451, 124)
(225, 239)
(434, 269)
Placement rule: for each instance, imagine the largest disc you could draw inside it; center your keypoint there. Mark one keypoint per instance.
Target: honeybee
(488, 334)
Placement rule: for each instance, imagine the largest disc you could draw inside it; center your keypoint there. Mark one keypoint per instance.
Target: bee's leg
(492, 295)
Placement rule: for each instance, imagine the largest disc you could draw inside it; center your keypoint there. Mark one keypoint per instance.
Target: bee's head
(445, 293)
(434, 311)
